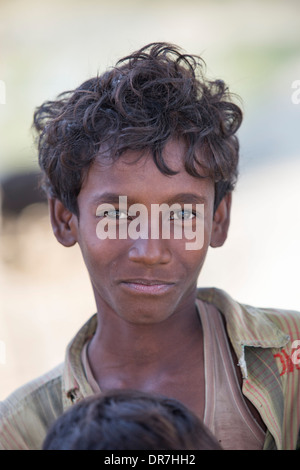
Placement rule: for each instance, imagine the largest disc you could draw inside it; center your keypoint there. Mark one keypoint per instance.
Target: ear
(64, 223)
(221, 222)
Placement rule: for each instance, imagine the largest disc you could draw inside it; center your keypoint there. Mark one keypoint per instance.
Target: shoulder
(27, 413)
(252, 326)
(287, 320)
(256, 318)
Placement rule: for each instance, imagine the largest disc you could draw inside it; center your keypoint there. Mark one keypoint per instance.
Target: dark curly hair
(129, 420)
(149, 97)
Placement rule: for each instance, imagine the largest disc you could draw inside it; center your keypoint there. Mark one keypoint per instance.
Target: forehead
(136, 174)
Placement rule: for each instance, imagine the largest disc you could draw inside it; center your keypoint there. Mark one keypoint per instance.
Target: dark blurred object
(18, 191)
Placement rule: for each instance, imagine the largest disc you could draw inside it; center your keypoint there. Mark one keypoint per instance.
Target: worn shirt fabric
(226, 412)
(263, 340)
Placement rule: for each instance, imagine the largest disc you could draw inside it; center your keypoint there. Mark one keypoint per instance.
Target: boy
(154, 133)
(129, 420)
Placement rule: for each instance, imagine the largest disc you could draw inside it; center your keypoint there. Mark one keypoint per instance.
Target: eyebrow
(110, 198)
(181, 198)
(186, 198)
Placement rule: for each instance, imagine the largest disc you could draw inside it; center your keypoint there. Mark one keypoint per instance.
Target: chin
(146, 317)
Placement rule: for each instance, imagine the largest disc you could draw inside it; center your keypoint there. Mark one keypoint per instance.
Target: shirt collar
(75, 384)
(246, 325)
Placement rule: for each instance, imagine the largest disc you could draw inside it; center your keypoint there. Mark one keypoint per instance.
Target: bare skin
(149, 336)
(162, 358)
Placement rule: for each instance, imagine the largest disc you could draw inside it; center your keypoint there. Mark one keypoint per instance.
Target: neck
(134, 349)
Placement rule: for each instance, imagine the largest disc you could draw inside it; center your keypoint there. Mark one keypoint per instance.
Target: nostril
(150, 252)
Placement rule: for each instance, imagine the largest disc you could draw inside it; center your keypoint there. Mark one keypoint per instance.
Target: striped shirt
(264, 340)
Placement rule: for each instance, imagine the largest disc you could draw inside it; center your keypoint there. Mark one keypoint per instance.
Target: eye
(115, 214)
(183, 214)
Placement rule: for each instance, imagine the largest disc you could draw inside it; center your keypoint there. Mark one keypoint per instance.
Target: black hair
(149, 97)
(129, 420)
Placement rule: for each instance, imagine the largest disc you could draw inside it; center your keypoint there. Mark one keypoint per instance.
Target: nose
(150, 252)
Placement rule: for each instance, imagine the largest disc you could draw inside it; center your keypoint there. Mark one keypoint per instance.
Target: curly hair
(149, 97)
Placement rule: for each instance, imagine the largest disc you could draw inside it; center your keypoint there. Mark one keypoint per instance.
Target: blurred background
(48, 47)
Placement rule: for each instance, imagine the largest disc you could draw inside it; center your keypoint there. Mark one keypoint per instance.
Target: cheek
(194, 260)
(188, 255)
(191, 253)
(103, 257)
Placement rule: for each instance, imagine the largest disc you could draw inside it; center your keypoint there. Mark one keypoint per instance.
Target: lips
(147, 286)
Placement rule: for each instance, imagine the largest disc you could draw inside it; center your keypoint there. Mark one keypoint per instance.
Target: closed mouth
(148, 286)
(147, 282)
